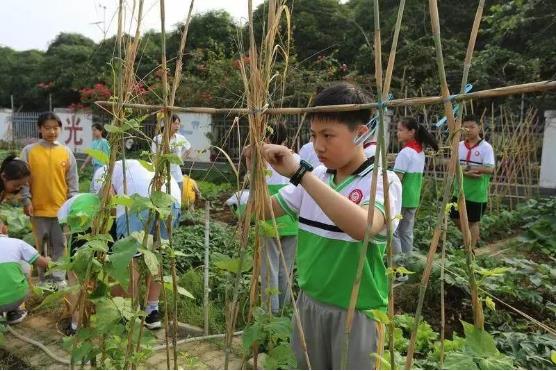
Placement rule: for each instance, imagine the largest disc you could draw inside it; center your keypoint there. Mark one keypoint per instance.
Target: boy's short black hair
(470, 117)
(342, 93)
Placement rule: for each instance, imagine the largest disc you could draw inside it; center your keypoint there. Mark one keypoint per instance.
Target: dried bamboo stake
(454, 127)
(206, 268)
(382, 90)
(532, 87)
(256, 83)
(442, 307)
(478, 315)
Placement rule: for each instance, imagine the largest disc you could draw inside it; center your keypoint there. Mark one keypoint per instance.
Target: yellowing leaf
(98, 155)
(553, 356)
(490, 303)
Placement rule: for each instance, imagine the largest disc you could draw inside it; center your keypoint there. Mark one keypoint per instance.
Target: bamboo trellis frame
(259, 109)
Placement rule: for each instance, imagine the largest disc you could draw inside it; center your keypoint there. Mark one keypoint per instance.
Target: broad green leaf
(479, 342)
(181, 290)
(147, 165)
(112, 129)
(121, 200)
(500, 362)
(553, 356)
(173, 158)
(118, 262)
(150, 261)
(279, 328)
(124, 307)
(459, 361)
(184, 292)
(280, 357)
(98, 155)
(107, 314)
(162, 199)
(228, 264)
(252, 334)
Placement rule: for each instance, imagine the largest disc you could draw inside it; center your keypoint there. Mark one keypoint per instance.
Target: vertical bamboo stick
(454, 127)
(206, 269)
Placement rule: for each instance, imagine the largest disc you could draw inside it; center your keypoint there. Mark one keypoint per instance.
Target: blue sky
(33, 24)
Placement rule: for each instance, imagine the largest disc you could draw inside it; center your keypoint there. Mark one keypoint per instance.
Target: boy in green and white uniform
(274, 276)
(331, 205)
(14, 286)
(477, 161)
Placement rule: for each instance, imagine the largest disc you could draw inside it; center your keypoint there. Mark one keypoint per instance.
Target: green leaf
(553, 356)
(479, 342)
(228, 264)
(113, 129)
(459, 361)
(379, 316)
(173, 158)
(279, 328)
(98, 155)
(121, 200)
(181, 290)
(252, 334)
(124, 307)
(150, 261)
(280, 357)
(147, 165)
(500, 362)
(403, 270)
(118, 262)
(490, 303)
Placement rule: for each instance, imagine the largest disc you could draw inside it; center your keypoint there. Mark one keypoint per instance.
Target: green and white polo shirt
(13, 283)
(286, 225)
(326, 256)
(481, 154)
(411, 163)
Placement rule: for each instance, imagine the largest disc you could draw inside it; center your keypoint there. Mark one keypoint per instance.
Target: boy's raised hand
(281, 159)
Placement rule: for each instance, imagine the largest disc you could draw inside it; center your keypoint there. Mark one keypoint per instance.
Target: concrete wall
(547, 180)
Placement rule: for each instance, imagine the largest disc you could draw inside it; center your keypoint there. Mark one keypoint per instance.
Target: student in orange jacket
(53, 180)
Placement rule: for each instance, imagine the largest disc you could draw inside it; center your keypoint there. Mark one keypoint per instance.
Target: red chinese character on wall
(73, 127)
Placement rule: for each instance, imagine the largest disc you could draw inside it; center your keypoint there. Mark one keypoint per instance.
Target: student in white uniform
(179, 145)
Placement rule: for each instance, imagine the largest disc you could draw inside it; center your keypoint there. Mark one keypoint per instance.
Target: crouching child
(14, 285)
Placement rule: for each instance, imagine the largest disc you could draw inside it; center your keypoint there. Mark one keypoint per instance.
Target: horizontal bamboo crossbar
(533, 87)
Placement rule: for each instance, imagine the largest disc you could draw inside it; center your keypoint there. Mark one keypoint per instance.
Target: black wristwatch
(304, 167)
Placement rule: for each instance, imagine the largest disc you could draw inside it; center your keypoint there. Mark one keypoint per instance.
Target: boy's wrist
(304, 168)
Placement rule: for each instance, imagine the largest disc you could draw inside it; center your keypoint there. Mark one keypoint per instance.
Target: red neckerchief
(468, 157)
(413, 144)
(368, 144)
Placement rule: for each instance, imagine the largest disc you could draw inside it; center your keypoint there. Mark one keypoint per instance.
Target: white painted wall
(76, 129)
(5, 125)
(548, 169)
(195, 127)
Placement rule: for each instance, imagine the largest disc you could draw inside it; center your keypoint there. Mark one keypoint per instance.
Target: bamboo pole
(478, 315)
(206, 269)
(382, 89)
(454, 127)
(533, 87)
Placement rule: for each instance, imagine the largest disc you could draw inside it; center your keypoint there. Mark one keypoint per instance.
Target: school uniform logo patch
(477, 153)
(356, 196)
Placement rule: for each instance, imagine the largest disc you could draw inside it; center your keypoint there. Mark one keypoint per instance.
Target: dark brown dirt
(10, 362)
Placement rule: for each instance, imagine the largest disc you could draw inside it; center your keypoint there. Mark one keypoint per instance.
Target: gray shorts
(323, 326)
(46, 229)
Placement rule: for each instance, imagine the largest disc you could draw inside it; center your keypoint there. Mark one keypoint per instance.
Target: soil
(457, 307)
(10, 362)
